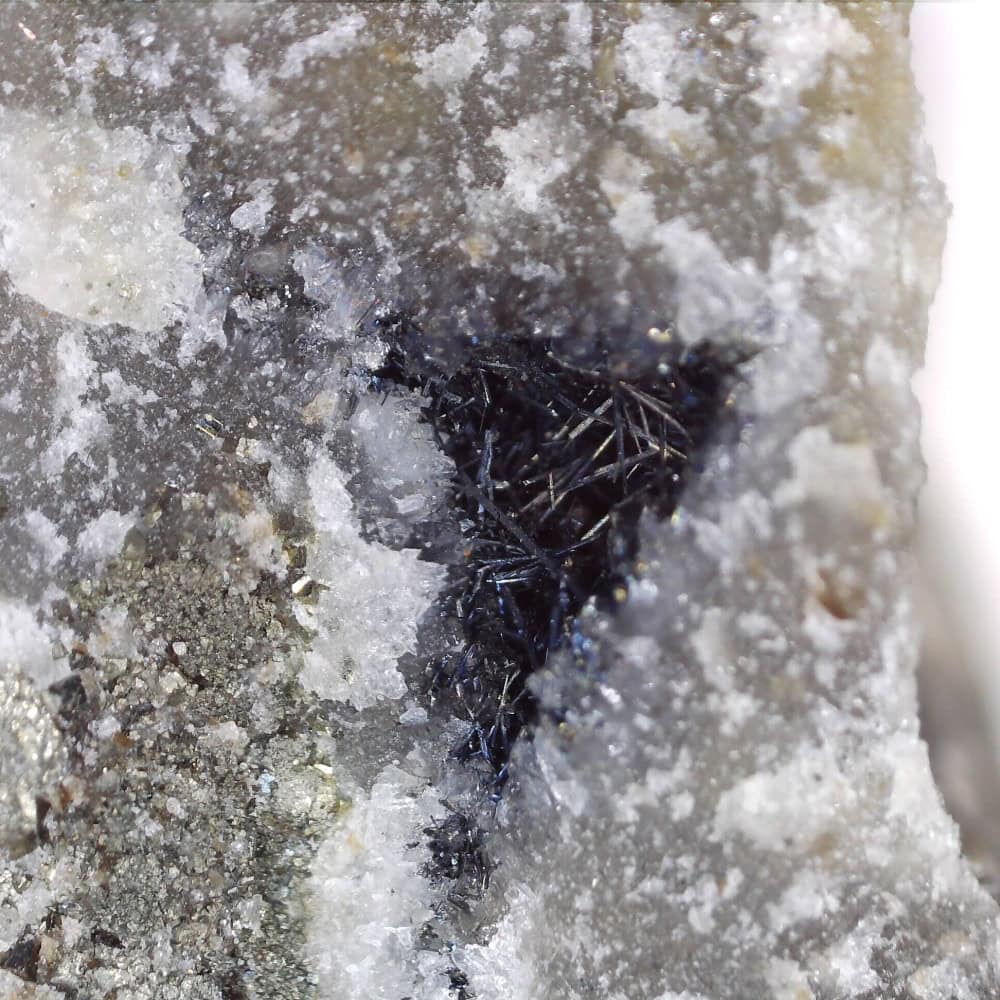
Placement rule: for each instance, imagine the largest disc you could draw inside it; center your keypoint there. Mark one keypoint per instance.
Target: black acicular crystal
(458, 857)
(554, 465)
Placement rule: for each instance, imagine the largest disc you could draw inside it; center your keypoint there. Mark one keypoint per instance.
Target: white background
(957, 64)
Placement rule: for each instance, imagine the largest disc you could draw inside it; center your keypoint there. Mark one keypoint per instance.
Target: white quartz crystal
(369, 900)
(26, 643)
(91, 223)
(371, 599)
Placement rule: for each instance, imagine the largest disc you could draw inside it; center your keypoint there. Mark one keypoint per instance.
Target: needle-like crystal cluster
(456, 491)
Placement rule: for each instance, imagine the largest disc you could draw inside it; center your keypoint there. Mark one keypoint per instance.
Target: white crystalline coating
(102, 538)
(517, 37)
(415, 715)
(622, 176)
(204, 326)
(20, 910)
(509, 966)
(671, 130)
(76, 427)
(251, 216)
(797, 42)
(339, 38)
(791, 807)
(795, 334)
(368, 900)
(100, 51)
(715, 296)
(945, 981)
(450, 64)
(91, 221)
(846, 964)
(537, 151)
(260, 546)
(649, 53)
(402, 451)
(652, 59)
(236, 80)
(105, 727)
(27, 645)
(114, 635)
(843, 478)
(807, 897)
(14, 987)
(77, 436)
(45, 533)
(370, 600)
(255, 533)
(346, 299)
(578, 33)
(155, 69)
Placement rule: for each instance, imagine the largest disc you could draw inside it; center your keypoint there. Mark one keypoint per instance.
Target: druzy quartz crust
(456, 497)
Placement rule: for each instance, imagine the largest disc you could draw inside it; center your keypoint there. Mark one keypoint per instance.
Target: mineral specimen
(456, 496)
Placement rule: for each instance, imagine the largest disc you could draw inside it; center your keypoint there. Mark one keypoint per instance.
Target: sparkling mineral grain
(456, 494)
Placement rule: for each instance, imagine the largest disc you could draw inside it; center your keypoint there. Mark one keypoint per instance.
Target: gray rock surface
(225, 556)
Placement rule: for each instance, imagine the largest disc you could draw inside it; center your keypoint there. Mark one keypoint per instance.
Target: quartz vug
(226, 555)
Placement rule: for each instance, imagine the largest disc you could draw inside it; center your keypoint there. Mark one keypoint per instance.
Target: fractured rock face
(458, 482)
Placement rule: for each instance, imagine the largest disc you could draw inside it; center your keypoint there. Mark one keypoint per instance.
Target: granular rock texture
(312, 687)
(197, 774)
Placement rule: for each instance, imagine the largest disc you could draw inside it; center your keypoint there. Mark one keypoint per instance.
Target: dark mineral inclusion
(555, 463)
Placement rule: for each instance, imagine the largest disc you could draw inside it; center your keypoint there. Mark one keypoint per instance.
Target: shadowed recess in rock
(555, 463)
